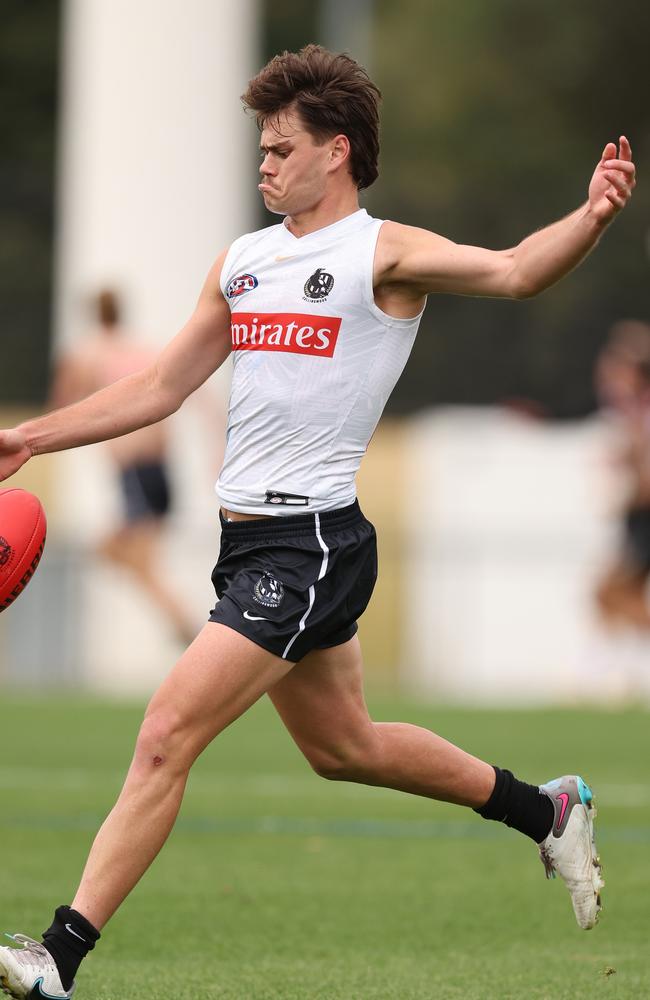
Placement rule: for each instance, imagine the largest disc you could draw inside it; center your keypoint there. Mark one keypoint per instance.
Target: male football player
(319, 313)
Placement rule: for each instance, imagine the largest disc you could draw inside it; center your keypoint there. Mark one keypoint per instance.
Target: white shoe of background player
(30, 972)
(569, 850)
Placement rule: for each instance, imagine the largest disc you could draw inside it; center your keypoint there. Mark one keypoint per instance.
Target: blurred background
(500, 476)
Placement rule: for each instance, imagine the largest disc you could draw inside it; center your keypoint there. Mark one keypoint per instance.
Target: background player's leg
(622, 596)
(221, 675)
(321, 702)
(135, 548)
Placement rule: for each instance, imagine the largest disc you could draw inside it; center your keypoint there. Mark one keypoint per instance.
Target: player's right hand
(14, 452)
(613, 181)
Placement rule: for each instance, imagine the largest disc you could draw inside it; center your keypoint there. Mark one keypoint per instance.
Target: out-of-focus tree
(28, 83)
(494, 117)
(287, 25)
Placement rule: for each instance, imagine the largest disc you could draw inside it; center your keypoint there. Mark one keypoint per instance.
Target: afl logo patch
(318, 286)
(6, 551)
(240, 285)
(268, 591)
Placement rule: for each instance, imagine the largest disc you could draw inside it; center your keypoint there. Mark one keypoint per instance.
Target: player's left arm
(419, 262)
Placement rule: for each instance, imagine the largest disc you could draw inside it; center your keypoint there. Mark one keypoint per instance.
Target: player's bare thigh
(218, 677)
(322, 704)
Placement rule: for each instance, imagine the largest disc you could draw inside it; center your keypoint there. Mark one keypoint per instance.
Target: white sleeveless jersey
(315, 360)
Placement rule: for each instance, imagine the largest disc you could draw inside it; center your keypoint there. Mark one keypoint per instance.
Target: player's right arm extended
(139, 399)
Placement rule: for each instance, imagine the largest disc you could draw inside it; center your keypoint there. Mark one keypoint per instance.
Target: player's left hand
(613, 181)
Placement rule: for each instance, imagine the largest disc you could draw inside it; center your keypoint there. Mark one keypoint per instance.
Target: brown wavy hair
(333, 95)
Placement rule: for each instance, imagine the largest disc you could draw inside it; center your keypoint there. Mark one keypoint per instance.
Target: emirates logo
(293, 333)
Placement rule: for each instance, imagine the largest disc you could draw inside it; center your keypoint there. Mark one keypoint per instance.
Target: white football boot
(30, 972)
(569, 850)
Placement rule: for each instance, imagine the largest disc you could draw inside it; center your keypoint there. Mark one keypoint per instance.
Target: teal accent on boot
(586, 795)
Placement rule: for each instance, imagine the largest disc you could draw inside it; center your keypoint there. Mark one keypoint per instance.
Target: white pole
(157, 173)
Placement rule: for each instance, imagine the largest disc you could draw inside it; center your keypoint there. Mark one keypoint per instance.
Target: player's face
(294, 167)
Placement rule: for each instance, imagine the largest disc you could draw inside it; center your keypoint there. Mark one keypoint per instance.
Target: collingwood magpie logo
(318, 286)
(268, 591)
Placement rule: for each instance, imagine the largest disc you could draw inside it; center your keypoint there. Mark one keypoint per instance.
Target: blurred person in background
(319, 313)
(140, 459)
(622, 378)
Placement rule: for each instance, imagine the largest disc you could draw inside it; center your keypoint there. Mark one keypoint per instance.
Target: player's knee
(161, 743)
(341, 763)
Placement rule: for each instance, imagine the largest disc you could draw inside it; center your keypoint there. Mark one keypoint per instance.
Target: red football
(22, 537)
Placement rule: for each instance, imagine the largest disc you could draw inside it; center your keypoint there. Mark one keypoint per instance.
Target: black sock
(68, 941)
(519, 805)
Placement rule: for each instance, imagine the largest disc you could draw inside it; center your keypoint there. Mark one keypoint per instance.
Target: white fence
(509, 524)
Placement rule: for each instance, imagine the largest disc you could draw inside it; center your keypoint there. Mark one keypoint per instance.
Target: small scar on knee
(157, 761)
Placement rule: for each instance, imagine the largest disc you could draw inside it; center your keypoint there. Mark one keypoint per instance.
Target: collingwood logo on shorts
(268, 591)
(318, 286)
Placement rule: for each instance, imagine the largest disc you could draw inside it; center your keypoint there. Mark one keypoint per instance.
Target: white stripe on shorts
(312, 589)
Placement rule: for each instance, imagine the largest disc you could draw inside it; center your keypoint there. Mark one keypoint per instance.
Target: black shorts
(296, 583)
(145, 489)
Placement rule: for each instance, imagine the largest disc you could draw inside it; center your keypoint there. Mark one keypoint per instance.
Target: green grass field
(277, 884)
